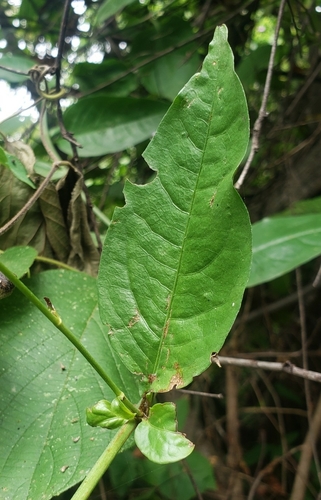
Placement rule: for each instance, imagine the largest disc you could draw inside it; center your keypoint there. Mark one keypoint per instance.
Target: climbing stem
(52, 315)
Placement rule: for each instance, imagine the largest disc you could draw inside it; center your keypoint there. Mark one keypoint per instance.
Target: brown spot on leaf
(151, 378)
(166, 328)
(176, 381)
(134, 320)
(212, 200)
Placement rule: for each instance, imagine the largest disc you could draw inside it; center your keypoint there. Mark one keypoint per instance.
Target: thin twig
(304, 467)
(273, 409)
(143, 63)
(286, 367)
(44, 136)
(57, 69)
(281, 423)
(234, 451)
(303, 144)
(92, 217)
(303, 90)
(12, 70)
(199, 393)
(21, 110)
(192, 479)
(305, 363)
(102, 490)
(61, 42)
(165, 52)
(275, 306)
(68, 136)
(262, 113)
(269, 469)
(317, 280)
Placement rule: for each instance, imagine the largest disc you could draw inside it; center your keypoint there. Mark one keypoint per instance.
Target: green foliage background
(123, 64)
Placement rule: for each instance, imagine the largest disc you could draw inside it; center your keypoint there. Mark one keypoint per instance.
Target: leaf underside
(176, 258)
(46, 385)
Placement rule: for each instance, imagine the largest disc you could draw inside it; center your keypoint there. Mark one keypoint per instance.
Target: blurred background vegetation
(123, 62)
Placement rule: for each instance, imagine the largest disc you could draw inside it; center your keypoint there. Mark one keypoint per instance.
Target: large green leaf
(46, 445)
(103, 124)
(176, 258)
(281, 244)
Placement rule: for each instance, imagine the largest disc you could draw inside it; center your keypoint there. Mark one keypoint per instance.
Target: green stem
(104, 461)
(56, 320)
(57, 263)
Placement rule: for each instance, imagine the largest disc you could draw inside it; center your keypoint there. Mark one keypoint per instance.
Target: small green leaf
(163, 415)
(101, 415)
(108, 415)
(102, 408)
(19, 259)
(120, 410)
(103, 124)
(281, 244)
(157, 439)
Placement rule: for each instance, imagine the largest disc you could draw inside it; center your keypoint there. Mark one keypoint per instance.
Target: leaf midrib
(169, 313)
(279, 241)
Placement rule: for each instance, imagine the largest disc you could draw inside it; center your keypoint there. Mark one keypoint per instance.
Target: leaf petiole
(104, 461)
